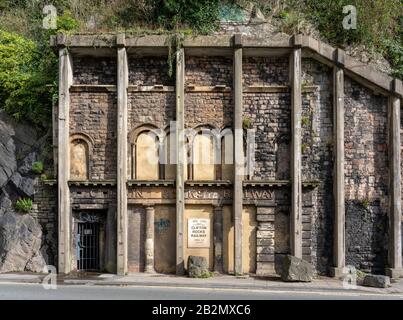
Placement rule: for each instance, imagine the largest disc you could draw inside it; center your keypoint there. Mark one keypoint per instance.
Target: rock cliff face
(21, 239)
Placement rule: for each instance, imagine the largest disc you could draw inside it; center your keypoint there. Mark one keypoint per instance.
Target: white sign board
(198, 233)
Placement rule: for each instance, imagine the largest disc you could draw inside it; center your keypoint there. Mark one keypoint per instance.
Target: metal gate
(88, 246)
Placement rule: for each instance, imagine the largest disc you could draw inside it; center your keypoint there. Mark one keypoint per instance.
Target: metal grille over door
(88, 246)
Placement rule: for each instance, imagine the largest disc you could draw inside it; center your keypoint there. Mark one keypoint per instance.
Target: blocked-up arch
(80, 151)
(144, 153)
(227, 154)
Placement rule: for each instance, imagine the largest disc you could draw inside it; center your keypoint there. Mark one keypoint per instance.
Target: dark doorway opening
(88, 245)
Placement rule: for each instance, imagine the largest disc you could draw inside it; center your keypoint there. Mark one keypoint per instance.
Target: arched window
(79, 157)
(204, 157)
(146, 156)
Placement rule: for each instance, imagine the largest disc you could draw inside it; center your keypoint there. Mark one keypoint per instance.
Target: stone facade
(210, 84)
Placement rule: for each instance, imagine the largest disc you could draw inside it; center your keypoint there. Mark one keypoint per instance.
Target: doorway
(88, 246)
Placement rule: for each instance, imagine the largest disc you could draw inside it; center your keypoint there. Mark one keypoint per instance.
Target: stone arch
(205, 152)
(144, 152)
(80, 155)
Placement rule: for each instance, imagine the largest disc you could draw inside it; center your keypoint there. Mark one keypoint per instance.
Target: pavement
(320, 284)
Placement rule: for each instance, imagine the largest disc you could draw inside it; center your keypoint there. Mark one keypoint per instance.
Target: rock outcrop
(22, 247)
(20, 243)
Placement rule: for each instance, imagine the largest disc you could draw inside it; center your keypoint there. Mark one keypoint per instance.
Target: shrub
(24, 73)
(37, 167)
(24, 205)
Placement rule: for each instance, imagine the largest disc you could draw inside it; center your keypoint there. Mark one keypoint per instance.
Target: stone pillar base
(265, 269)
(336, 272)
(149, 270)
(394, 273)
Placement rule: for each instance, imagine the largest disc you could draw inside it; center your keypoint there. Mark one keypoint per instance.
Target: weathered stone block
(264, 269)
(295, 269)
(265, 257)
(265, 217)
(265, 210)
(376, 281)
(197, 267)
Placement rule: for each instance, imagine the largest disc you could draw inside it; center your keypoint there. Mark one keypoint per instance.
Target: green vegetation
(365, 203)
(37, 167)
(28, 66)
(246, 123)
(379, 25)
(24, 205)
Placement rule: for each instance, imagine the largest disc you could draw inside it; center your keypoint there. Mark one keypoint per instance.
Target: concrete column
(395, 215)
(122, 219)
(180, 158)
(338, 180)
(296, 189)
(149, 245)
(238, 154)
(65, 81)
(218, 239)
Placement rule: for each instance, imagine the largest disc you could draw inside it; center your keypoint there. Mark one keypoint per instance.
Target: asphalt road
(13, 291)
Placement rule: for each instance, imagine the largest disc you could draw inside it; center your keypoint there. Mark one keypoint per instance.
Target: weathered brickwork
(366, 177)
(317, 161)
(157, 108)
(94, 114)
(265, 71)
(90, 70)
(208, 108)
(45, 210)
(269, 115)
(136, 236)
(149, 71)
(208, 71)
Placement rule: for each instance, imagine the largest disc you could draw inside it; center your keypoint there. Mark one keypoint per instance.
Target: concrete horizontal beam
(203, 45)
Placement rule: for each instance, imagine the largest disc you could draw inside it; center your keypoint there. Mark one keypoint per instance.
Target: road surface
(14, 291)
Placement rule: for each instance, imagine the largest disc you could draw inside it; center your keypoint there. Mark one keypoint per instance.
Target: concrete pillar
(218, 239)
(296, 189)
(395, 216)
(149, 245)
(180, 158)
(338, 180)
(65, 81)
(238, 154)
(122, 219)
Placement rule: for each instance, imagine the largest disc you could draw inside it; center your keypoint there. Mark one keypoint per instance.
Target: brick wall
(157, 108)
(91, 70)
(208, 71)
(45, 211)
(317, 161)
(149, 71)
(366, 177)
(265, 71)
(94, 113)
(269, 115)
